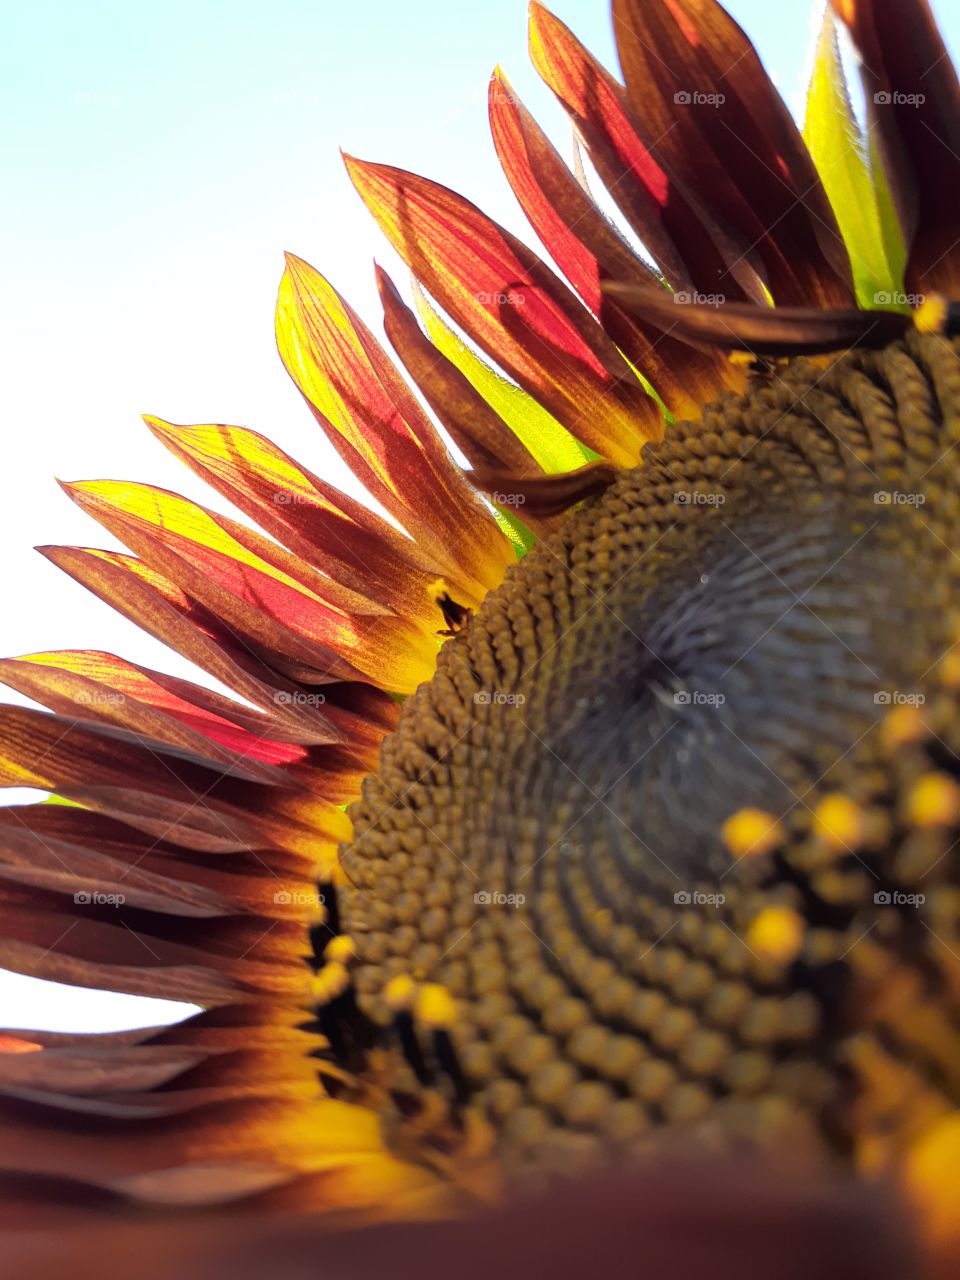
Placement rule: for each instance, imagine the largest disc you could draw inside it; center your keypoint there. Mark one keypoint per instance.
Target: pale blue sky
(157, 159)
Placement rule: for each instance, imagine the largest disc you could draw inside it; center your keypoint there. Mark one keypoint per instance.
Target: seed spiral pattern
(666, 844)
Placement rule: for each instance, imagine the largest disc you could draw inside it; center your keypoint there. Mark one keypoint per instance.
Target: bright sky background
(157, 158)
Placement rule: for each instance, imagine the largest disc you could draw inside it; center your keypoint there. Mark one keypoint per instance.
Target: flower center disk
(662, 844)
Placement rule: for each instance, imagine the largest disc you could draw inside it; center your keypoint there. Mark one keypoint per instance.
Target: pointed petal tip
(160, 426)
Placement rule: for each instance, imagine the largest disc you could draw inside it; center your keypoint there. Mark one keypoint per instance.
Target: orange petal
(319, 524)
(373, 420)
(259, 590)
(162, 609)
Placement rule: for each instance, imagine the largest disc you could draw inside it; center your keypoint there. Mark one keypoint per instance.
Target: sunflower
(595, 799)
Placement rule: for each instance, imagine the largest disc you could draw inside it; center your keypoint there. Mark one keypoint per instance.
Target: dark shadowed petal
(913, 101)
(715, 121)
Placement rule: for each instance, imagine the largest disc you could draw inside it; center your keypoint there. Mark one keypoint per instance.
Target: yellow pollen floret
(930, 1175)
(931, 315)
(839, 822)
(330, 982)
(901, 726)
(934, 801)
(316, 913)
(950, 669)
(777, 933)
(751, 833)
(435, 1006)
(399, 992)
(340, 949)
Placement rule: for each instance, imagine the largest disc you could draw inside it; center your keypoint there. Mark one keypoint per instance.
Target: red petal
(518, 311)
(737, 144)
(588, 249)
(672, 221)
(163, 610)
(99, 686)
